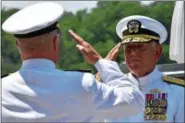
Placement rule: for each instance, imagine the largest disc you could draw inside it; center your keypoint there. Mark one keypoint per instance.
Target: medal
(147, 117)
(163, 117)
(147, 110)
(163, 103)
(155, 110)
(160, 110)
(156, 105)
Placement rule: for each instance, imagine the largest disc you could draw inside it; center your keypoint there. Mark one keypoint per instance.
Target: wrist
(98, 59)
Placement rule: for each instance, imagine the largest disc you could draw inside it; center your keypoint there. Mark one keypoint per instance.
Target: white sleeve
(110, 71)
(111, 101)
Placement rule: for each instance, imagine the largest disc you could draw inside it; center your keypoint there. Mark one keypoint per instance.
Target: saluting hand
(113, 53)
(88, 52)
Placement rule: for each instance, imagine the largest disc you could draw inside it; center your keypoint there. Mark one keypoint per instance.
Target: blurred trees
(97, 27)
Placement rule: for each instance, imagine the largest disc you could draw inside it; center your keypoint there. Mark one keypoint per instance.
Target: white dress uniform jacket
(39, 92)
(174, 94)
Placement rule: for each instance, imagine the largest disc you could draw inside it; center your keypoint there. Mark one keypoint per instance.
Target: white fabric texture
(33, 18)
(177, 33)
(40, 93)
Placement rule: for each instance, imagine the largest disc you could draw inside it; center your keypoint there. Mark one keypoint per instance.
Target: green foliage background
(97, 27)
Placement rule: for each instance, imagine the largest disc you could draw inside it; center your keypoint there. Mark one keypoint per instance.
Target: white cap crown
(32, 18)
(148, 26)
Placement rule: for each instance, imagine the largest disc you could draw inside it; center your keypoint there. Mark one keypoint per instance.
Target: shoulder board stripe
(173, 80)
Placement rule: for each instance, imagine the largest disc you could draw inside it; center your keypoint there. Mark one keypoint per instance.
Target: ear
(17, 44)
(55, 43)
(158, 52)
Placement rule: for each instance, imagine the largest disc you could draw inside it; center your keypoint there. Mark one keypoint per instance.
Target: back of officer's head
(142, 38)
(36, 30)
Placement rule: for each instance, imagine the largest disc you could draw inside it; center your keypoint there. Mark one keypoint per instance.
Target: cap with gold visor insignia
(140, 29)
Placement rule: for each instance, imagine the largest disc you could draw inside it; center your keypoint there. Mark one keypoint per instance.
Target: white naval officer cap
(34, 20)
(140, 29)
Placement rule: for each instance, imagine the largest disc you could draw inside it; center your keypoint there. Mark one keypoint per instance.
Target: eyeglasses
(137, 47)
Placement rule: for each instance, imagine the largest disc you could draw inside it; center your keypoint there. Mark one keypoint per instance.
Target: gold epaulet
(173, 80)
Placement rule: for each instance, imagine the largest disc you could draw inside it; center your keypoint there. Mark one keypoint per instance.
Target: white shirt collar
(151, 77)
(38, 63)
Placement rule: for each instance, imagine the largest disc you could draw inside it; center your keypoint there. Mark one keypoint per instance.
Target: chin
(135, 68)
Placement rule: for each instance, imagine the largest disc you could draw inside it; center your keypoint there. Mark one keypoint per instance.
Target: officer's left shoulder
(173, 81)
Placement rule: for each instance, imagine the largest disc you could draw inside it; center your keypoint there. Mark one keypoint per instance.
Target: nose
(134, 51)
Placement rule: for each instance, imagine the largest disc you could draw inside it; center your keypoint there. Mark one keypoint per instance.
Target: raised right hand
(88, 52)
(113, 53)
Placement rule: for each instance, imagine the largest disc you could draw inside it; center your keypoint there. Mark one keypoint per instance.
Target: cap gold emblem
(133, 26)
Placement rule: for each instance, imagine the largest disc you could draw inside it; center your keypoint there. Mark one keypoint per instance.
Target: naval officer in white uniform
(142, 39)
(39, 92)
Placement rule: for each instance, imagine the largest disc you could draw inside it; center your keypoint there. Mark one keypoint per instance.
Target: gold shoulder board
(173, 80)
